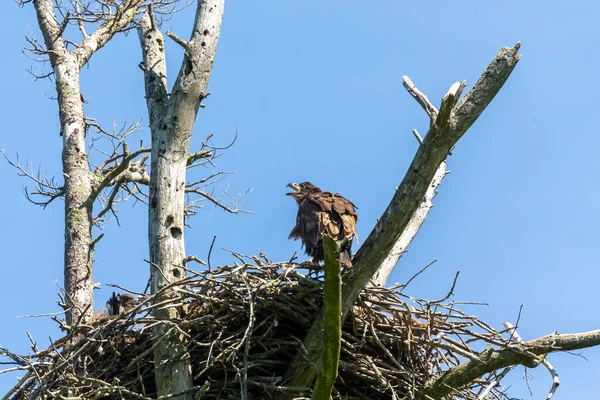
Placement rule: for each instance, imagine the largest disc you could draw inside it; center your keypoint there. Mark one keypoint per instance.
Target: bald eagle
(319, 213)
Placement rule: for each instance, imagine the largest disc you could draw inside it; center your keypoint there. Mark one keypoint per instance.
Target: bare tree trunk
(171, 123)
(78, 177)
(77, 189)
(80, 184)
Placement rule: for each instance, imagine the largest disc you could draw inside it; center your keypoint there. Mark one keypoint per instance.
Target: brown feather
(319, 213)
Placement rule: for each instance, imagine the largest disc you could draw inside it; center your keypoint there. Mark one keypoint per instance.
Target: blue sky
(315, 90)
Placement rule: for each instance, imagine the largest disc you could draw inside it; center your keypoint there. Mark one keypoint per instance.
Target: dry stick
(517, 338)
(210, 251)
(246, 340)
(358, 356)
(332, 335)
(440, 139)
(20, 382)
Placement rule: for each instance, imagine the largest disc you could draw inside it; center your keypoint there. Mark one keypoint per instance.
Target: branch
(420, 98)
(332, 335)
(190, 86)
(409, 233)
(126, 171)
(185, 45)
(217, 202)
(514, 336)
(50, 28)
(192, 158)
(440, 139)
(111, 26)
(492, 360)
(45, 188)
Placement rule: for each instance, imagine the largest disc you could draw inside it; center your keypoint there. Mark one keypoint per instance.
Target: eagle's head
(301, 190)
(127, 301)
(120, 303)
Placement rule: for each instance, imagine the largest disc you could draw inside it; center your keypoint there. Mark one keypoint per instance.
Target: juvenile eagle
(116, 304)
(319, 213)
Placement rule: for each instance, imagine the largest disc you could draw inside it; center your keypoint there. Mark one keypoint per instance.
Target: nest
(244, 324)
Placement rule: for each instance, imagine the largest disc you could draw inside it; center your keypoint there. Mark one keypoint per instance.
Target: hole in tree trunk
(176, 232)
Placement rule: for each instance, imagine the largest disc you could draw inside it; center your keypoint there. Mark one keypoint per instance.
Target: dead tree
(82, 186)
(92, 192)
(172, 119)
(172, 115)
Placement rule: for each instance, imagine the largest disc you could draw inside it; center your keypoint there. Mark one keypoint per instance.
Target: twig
(210, 251)
(420, 98)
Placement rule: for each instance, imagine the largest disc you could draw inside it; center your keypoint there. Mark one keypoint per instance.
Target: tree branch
(127, 170)
(111, 26)
(44, 187)
(50, 28)
(493, 359)
(192, 158)
(190, 86)
(440, 139)
(411, 230)
(420, 98)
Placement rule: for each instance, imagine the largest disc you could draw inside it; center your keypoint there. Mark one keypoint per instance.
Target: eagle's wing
(334, 214)
(308, 216)
(307, 223)
(346, 210)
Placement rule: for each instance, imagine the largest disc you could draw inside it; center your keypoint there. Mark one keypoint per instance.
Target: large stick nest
(244, 324)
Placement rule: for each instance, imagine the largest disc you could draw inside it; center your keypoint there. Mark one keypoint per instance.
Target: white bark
(79, 180)
(415, 223)
(77, 189)
(171, 122)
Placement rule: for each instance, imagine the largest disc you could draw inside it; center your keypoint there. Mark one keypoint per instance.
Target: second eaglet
(322, 213)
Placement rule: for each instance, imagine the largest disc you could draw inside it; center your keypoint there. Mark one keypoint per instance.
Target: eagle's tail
(345, 258)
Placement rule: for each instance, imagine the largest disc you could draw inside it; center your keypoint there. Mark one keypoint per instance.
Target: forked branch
(45, 188)
(451, 123)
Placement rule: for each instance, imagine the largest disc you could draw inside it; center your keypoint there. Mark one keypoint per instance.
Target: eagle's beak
(295, 187)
